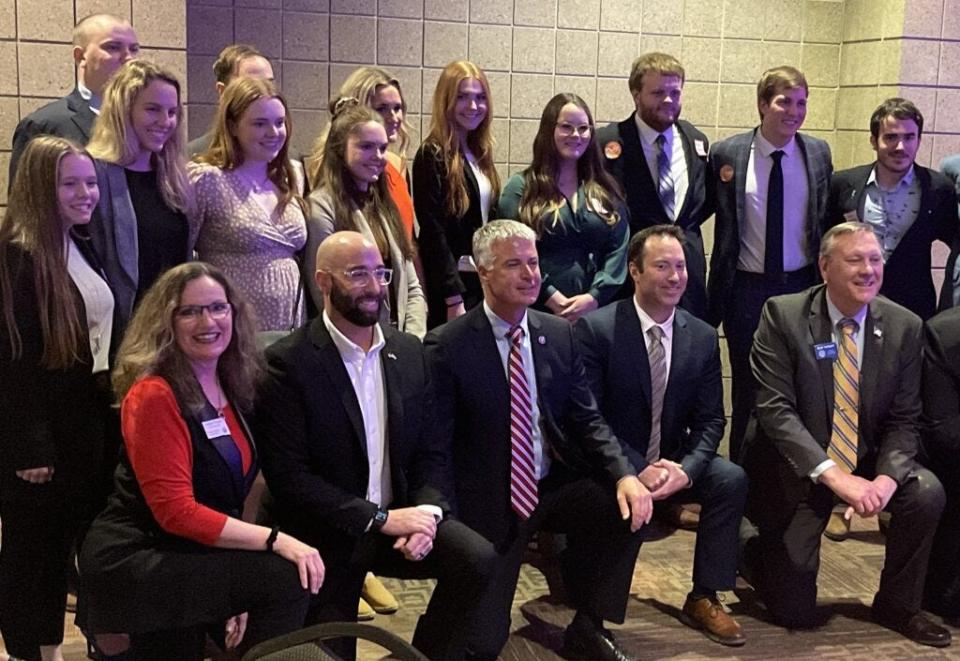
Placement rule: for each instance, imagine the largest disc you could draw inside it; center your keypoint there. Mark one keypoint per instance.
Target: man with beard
(661, 162)
(352, 458)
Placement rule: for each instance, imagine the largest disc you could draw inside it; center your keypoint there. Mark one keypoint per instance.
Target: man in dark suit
(234, 61)
(908, 205)
(655, 371)
(771, 194)
(530, 449)
(837, 411)
(950, 294)
(101, 44)
(351, 454)
(665, 182)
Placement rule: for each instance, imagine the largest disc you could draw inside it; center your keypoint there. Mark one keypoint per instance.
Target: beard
(348, 307)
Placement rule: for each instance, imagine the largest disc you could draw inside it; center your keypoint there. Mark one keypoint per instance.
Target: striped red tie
(523, 482)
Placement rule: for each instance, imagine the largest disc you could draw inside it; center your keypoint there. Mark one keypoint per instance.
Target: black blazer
(443, 239)
(941, 389)
(473, 412)
(906, 275)
(615, 357)
(312, 441)
(733, 156)
(67, 117)
(790, 431)
(631, 170)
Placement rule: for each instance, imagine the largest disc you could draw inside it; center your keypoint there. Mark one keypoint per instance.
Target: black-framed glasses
(360, 275)
(217, 311)
(568, 130)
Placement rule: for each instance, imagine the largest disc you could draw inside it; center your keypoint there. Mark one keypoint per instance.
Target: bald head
(340, 249)
(101, 44)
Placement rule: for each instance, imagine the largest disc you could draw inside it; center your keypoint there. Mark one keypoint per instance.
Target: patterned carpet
(848, 578)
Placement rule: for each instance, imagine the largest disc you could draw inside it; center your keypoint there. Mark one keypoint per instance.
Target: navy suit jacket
(631, 171)
(734, 152)
(69, 117)
(906, 275)
(618, 369)
(473, 411)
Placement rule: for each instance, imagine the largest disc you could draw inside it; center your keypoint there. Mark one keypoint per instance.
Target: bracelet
(272, 539)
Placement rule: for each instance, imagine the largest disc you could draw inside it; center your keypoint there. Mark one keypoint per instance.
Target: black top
(161, 232)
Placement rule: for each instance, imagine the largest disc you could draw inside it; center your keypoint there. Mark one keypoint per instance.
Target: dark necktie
(523, 482)
(665, 185)
(773, 247)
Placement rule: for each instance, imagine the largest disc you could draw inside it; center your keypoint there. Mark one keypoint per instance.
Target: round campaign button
(612, 150)
(726, 173)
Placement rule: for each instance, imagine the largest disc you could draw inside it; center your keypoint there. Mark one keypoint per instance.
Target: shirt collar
(649, 135)
(905, 182)
(765, 147)
(647, 322)
(836, 316)
(92, 99)
(501, 327)
(348, 350)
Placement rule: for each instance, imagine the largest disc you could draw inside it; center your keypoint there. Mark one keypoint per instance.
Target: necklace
(221, 400)
(257, 186)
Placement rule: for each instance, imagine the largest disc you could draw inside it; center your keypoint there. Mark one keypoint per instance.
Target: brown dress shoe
(685, 516)
(708, 615)
(838, 527)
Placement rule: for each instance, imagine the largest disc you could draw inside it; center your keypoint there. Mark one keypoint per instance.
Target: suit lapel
(812, 165)
(332, 364)
(679, 356)
(742, 162)
(821, 332)
(541, 362)
(125, 223)
(636, 165)
(871, 360)
(393, 385)
(691, 159)
(634, 347)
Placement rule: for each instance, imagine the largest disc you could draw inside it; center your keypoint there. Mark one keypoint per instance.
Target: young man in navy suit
(655, 371)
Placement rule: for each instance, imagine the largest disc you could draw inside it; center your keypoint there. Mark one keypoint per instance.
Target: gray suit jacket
(734, 152)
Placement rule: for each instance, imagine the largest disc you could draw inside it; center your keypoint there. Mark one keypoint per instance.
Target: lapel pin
(877, 333)
(541, 339)
(391, 355)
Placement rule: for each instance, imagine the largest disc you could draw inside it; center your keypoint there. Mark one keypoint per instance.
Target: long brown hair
(115, 141)
(444, 136)
(150, 347)
(32, 221)
(376, 204)
(541, 197)
(225, 151)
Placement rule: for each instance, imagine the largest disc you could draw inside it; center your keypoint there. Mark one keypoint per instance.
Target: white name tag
(700, 147)
(216, 428)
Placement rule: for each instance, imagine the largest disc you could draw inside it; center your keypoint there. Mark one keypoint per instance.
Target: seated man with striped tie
(837, 415)
(655, 371)
(531, 451)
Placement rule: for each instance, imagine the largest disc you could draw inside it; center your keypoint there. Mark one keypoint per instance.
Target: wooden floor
(848, 579)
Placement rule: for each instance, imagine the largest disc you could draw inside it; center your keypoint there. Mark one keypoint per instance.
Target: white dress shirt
(678, 159)
(647, 322)
(753, 231)
(97, 302)
(483, 183)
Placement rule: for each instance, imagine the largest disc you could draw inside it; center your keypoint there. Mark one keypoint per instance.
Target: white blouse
(98, 301)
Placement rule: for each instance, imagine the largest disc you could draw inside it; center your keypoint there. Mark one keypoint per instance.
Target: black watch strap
(378, 520)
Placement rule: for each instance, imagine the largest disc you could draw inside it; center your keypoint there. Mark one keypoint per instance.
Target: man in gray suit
(772, 185)
(838, 405)
(950, 166)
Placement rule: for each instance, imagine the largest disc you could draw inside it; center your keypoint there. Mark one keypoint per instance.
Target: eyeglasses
(568, 130)
(360, 276)
(217, 311)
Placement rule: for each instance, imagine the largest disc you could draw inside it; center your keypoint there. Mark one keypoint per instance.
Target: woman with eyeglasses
(56, 328)
(352, 194)
(169, 560)
(455, 189)
(576, 209)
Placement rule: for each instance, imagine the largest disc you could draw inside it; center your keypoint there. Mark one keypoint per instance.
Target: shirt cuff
(820, 468)
(433, 509)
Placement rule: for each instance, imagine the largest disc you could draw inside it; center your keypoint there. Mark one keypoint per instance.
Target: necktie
(773, 246)
(523, 483)
(665, 184)
(658, 385)
(846, 400)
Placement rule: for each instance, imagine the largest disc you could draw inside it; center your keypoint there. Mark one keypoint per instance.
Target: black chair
(306, 644)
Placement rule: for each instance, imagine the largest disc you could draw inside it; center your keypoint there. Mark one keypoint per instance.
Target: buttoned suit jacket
(68, 117)
(790, 430)
(313, 443)
(618, 369)
(473, 405)
(643, 200)
(734, 154)
(906, 274)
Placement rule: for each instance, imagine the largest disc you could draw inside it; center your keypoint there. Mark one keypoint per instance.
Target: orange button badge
(726, 173)
(612, 150)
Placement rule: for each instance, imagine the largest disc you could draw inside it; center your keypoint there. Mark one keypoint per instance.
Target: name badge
(700, 147)
(216, 428)
(851, 216)
(825, 351)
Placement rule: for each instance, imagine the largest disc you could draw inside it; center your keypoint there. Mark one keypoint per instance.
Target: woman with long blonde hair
(249, 206)
(142, 224)
(455, 187)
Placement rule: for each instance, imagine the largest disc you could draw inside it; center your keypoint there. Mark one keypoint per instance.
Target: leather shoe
(375, 593)
(365, 612)
(708, 615)
(582, 643)
(917, 627)
(838, 528)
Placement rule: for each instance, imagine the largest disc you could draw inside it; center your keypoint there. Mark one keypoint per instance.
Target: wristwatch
(378, 520)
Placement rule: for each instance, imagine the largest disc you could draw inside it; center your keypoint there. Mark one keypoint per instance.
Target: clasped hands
(571, 308)
(635, 494)
(865, 497)
(415, 530)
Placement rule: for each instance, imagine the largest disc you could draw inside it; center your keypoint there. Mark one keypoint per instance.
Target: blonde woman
(141, 226)
(455, 187)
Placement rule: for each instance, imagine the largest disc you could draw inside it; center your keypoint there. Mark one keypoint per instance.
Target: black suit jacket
(906, 275)
(792, 424)
(68, 117)
(941, 389)
(734, 154)
(631, 171)
(615, 357)
(473, 405)
(312, 441)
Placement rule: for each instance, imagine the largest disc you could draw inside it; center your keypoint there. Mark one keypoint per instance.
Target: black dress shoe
(591, 644)
(917, 627)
